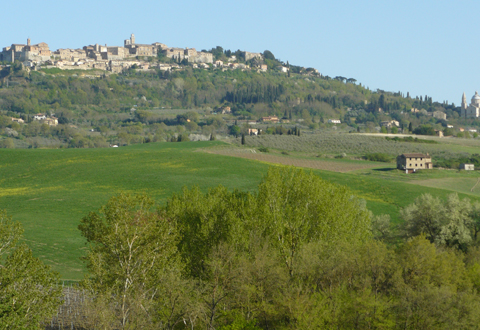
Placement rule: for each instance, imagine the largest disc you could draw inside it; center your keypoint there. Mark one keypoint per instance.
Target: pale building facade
(414, 162)
(23, 53)
(472, 110)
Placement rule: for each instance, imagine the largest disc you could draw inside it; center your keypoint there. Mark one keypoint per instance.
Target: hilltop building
(190, 54)
(133, 49)
(23, 53)
(472, 110)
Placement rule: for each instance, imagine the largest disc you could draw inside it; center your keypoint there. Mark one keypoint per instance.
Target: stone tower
(28, 42)
(464, 101)
(132, 39)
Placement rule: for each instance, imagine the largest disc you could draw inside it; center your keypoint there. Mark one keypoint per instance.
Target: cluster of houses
(119, 58)
(41, 117)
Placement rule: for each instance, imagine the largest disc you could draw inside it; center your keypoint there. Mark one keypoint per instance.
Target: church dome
(476, 97)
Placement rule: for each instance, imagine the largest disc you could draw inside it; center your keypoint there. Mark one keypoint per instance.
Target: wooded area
(299, 253)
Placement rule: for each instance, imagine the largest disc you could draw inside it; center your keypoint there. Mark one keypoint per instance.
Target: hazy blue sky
(422, 47)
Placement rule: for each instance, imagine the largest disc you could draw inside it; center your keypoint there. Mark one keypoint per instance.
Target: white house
(334, 121)
(39, 116)
(467, 167)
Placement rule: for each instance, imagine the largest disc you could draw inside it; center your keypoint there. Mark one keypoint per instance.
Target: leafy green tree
(444, 222)
(424, 130)
(205, 221)
(29, 294)
(294, 208)
(381, 227)
(7, 143)
(131, 258)
(268, 55)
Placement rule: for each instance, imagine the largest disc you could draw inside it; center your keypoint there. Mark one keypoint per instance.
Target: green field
(50, 190)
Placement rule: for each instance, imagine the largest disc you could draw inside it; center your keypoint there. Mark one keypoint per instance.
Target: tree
(294, 208)
(424, 130)
(268, 55)
(443, 222)
(243, 139)
(7, 143)
(131, 258)
(29, 293)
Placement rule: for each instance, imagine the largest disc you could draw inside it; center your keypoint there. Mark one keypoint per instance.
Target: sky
(421, 47)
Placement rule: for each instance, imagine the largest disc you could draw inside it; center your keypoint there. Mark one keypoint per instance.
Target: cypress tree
(243, 139)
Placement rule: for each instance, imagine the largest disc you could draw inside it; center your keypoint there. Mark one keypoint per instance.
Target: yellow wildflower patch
(14, 191)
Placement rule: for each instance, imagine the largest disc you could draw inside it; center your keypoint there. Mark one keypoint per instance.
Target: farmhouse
(18, 120)
(226, 110)
(467, 167)
(334, 121)
(39, 116)
(390, 123)
(272, 119)
(51, 121)
(412, 162)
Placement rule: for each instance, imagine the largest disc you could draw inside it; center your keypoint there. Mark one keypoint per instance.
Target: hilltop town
(116, 59)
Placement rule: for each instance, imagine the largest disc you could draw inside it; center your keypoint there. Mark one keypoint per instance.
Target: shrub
(424, 130)
(379, 157)
(263, 149)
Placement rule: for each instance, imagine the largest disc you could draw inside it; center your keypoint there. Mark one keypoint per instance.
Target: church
(473, 110)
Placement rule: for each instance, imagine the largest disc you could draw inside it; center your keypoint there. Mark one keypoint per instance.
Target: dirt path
(253, 154)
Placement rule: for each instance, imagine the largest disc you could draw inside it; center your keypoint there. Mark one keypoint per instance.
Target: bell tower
(464, 101)
(132, 39)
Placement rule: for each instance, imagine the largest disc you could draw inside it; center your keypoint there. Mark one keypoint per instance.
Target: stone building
(73, 55)
(133, 49)
(472, 110)
(439, 115)
(249, 56)
(21, 52)
(190, 54)
(413, 162)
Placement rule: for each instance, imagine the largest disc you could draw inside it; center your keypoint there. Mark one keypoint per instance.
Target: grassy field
(50, 190)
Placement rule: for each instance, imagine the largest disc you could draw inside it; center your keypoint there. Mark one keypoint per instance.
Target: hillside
(96, 108)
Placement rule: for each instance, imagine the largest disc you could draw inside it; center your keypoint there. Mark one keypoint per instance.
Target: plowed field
(328, 165)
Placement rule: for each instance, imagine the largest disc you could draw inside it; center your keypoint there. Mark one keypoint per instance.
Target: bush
(424, 130)
(263, 149)
(379, 157)
(410, 139)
